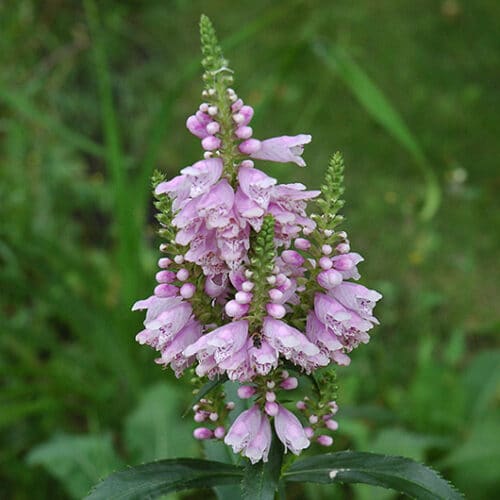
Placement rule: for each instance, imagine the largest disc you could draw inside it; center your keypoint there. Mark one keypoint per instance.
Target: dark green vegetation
(91, 101)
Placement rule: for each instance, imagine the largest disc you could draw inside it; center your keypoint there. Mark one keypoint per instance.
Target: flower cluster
(253, 287)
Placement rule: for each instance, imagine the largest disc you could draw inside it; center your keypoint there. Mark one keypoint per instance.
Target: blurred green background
(94, 96)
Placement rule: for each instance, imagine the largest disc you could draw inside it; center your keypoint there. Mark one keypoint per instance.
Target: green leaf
(159, 478)
(78, 462)
(203, 391)
(339, 62)
(148, 429)
(261, 480)
(397, 473)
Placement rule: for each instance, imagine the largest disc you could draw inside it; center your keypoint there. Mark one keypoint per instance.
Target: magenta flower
(283, 149)
(290, 431)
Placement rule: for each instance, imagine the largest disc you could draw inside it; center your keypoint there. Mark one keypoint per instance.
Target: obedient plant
(256, 285)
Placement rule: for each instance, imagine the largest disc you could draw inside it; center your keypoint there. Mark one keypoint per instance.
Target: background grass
(93, 96)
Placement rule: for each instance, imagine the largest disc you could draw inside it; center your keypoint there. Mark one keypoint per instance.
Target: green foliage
(77, 461)
(400, 474)
(162, 477)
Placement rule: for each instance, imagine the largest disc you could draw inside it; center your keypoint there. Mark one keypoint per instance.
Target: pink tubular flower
(290, 431)
(292, 344)
(223, 350)
(283, 149)
(250, 434)
(357, 298)
(347, 265)
(256, 185)
(264, 358)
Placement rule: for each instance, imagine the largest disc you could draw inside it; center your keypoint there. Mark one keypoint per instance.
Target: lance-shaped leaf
(396, 473)
(159, 478)
(261, 480)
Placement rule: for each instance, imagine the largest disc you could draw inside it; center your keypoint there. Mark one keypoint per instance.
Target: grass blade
(339, 62)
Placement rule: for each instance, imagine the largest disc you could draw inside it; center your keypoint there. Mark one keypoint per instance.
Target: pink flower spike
(250, 146)
(325, 440)
(289, 384)
(275, 310)
(202, 433)
(271, 408)
(283, 149)
(290, 431)
(246, 391)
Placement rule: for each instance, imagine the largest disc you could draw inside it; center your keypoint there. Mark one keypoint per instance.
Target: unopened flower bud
(213, 128)
(219, 432)
(164, 262)
(236, 106)
(301, 405)
(165, 276)
(213, 417)
(235, 309)
(302, 244)
(275, 294)
(313, 419)
(271, 280)
(275, 310)
(203, 107)
(247, 163)
(289, 383)
(292, 258)
(230, 405)
(329, 279)
(333, 425)
(243, 132)
(326, 249)
(246, 391)
(325, 263)
(210, 142)
(249, 146)
(202, 433)
(179, 259)
(270, 396)
(243, 297)
(309, 432)
(200, 416)
(212, 110)
(343, 248)
(271, 408)
(248, 273)
(165, 290)
(325, 440)
(182, 274)
(187, 290)
(327, 232)
(247, 286)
